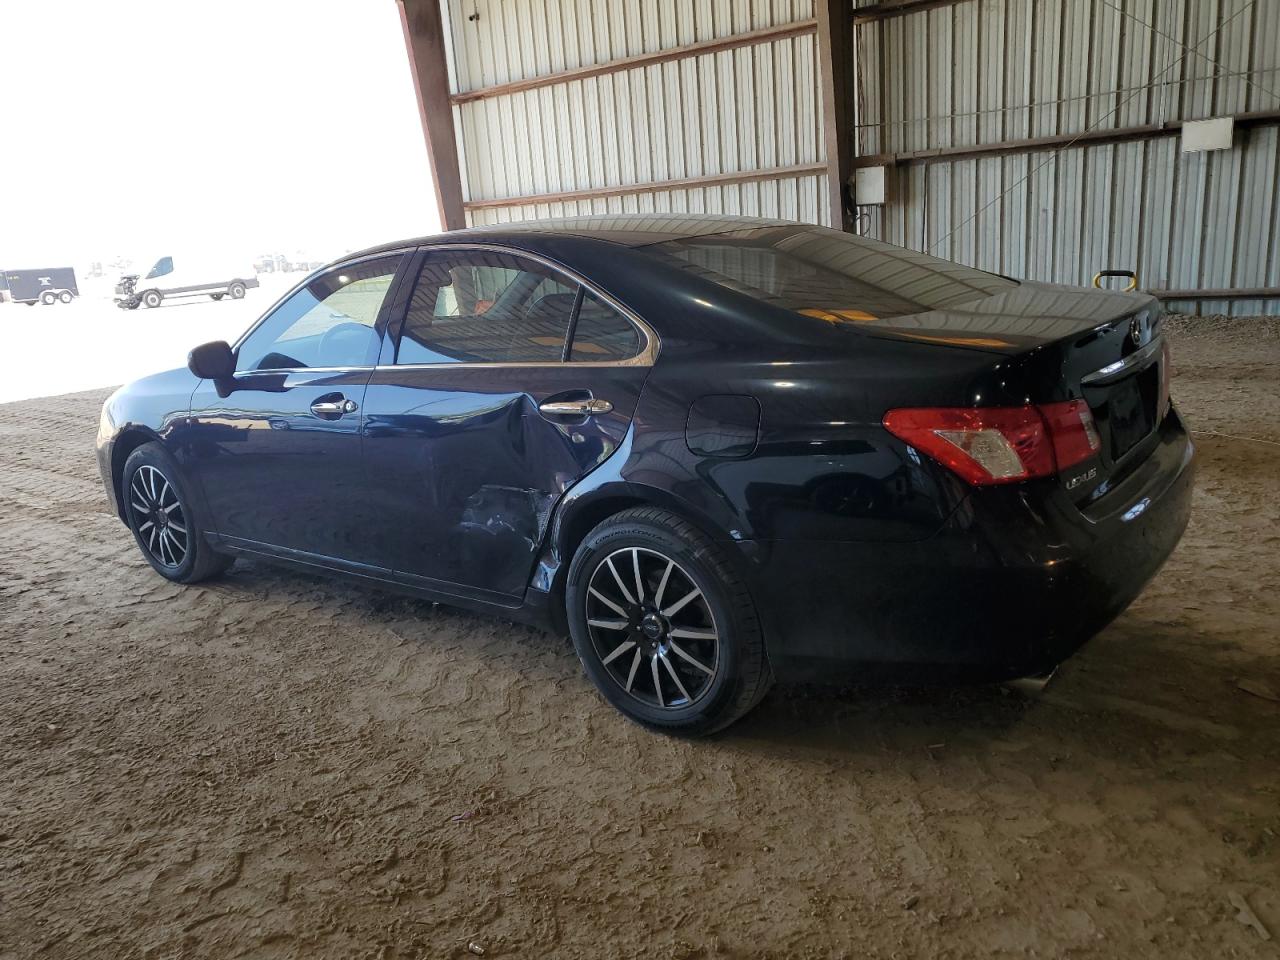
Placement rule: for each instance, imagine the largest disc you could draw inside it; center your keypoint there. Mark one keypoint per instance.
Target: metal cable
(1066, 146)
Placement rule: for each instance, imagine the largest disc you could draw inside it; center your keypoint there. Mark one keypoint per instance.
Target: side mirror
(212, 361)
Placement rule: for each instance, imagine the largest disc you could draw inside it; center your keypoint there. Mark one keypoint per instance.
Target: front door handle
(589, 407)
(333, 409)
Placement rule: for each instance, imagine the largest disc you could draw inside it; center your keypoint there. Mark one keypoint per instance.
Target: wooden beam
(1170, 128)
(732, 42)
(898, 8)
(1227, 293)
(654, 186)
(835, 66)
(424, 39)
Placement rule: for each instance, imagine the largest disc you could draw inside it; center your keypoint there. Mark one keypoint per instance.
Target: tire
(161, 515)
(48, 298)
(216, 296)
(699, 662)
(236, 290)
(151, 299)
(65, 296)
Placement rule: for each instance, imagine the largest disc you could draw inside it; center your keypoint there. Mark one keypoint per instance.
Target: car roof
(626, 229)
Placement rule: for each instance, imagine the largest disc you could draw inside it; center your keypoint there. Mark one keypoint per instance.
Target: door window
(328, 323)
(477, 306)
(163, 267)
(602, 333)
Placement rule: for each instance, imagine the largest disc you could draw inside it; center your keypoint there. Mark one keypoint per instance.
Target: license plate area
(1131, 410)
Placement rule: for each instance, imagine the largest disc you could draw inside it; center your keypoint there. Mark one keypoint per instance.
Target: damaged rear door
(506, 381)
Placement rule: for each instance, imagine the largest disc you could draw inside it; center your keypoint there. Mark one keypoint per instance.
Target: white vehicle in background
(184, 276)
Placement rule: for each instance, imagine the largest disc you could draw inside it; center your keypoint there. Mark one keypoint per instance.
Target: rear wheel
(65, 296)
(663, 625)
(217, 296)
(237, 290)
(163, 520)
(48, 298)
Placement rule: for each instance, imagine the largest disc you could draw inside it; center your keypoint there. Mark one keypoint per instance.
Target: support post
(835, 61)
(424, 39)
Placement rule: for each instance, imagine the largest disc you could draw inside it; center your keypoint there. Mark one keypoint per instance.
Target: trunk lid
(1060, 343)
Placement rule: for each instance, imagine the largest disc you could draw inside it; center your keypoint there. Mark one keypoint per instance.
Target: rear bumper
(1017, 580)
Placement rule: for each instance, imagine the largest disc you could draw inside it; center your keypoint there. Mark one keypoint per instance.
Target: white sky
(243, 126)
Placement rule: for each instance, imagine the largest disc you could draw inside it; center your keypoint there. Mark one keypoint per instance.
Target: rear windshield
(828, 274)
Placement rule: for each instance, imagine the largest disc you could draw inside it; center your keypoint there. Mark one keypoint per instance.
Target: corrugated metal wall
(986, 71)
(733, 111)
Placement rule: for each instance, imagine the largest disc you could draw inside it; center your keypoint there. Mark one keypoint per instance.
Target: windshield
(830, 275)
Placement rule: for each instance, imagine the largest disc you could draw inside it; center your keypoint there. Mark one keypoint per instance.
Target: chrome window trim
(646, 357)
(1123, 367)
(253, 373)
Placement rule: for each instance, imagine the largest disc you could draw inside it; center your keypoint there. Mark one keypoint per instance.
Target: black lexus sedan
(714, 450)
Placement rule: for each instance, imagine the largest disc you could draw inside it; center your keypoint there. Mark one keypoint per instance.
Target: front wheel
(151, 299)
(48, 298)
(664, 627)
(163, 521)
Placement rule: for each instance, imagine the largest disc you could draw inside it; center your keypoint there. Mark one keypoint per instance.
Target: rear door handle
(575, 408)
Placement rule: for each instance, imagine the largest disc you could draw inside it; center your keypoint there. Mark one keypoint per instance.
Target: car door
(478, 419)
(277, 448)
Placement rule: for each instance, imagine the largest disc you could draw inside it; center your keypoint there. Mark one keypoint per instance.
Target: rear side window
(479, 306)
(834, 276)
(602, 333)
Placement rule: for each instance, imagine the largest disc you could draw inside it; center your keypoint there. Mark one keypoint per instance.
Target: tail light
(987, 445)
(1166, 374)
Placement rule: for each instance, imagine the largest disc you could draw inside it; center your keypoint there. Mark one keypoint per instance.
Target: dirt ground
(277, 766)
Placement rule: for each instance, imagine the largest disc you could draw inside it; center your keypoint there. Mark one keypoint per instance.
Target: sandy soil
(276, 766)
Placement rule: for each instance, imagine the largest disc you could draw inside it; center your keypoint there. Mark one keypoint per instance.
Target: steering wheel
(340, 342)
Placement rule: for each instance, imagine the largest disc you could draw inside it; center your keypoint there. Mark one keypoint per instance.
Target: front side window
(478, 306)
(328, 323)
(163, 267)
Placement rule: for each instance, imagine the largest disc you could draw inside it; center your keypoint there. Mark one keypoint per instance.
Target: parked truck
(184, 275)
(47, 286)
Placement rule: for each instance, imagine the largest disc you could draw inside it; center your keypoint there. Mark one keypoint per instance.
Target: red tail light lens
(1075, 437)
(988, 445)
(1166, 374)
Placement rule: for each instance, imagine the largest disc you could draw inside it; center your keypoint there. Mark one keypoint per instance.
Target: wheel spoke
(151, 483)
(178, 527)
(141, 491)
(145, 525)
(140, 507)
(171, 507)
(635, 563)
(164, 547)
(619, 651)
(662, 584)
(631, 675)
(151, 540)
(606, 601)
(688, 634)
(621, 586)
(680, 652)
(610, 624)
(164, 490)
(657, 680)
(676, 677)
(680, 604)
